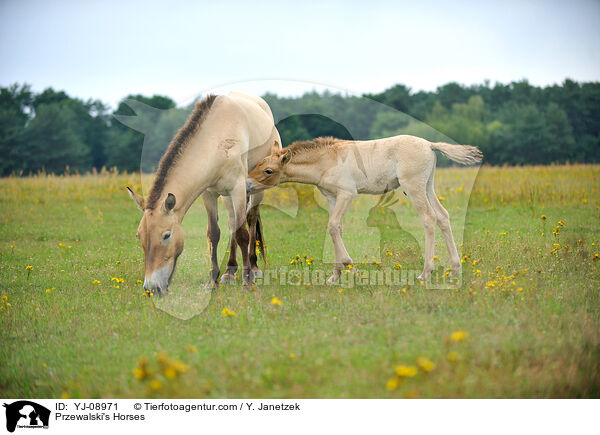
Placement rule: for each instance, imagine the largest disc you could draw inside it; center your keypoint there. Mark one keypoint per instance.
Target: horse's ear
(170, 202)
(286, 157)
(275, 147)
(139, 200)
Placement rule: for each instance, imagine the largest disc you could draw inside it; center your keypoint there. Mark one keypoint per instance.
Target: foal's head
(161, 236)
(267, 172)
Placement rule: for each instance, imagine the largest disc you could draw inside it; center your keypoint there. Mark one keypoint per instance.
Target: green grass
(81, 339)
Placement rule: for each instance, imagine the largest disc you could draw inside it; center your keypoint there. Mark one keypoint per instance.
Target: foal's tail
(463, 154)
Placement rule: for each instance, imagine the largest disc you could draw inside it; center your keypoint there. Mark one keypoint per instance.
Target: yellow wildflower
(392, 384)
(452, 356)
(459, 336)
(227, 312)
(406, 371)
(292, 356)
(179, 367)
(29, 268)
(139, 373)
(156, 384)
(425, 364)
(276, 301)
(96, 282)
(191, 348)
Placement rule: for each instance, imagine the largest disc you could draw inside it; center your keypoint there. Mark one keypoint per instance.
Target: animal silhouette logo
(26, 414)
(395, 243)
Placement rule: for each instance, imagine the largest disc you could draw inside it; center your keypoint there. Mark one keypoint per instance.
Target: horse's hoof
(333, 279)
(227, 279)
(455, 269)
(424, 276)
(250, 287)
(213, 285)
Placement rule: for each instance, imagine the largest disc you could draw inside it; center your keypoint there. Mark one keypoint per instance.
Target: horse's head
(267, 172)
(161, 236)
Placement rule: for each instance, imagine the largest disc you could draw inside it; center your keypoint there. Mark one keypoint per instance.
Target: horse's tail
(258, 232)
(259, 236)
(463, 154)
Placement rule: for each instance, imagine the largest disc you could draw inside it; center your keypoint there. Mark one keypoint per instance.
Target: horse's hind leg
(417, 194)
(443, 221)
(232, 266)
(254, 227)
(213, 234)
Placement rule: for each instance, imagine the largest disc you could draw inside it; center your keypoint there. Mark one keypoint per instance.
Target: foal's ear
(139, 200)
(170, 202)
(275, 148)
(286, 157)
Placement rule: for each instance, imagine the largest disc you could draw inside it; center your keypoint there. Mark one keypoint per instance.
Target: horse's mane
(304, 146)
(176, 147)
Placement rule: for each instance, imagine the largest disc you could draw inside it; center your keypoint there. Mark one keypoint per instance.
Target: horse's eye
(268, 171)
(166, 235)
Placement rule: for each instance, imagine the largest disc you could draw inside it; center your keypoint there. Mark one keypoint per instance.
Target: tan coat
(342, 169)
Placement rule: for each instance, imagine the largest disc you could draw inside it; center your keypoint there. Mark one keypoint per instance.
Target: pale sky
(108, 49)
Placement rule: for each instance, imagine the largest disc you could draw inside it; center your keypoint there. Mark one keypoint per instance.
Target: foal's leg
(213, 234)
(418, 196)
(253, 216)
(334, 226)
(443, 221)
(232, 266)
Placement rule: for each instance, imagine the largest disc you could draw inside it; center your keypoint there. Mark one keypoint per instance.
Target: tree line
(515, 123)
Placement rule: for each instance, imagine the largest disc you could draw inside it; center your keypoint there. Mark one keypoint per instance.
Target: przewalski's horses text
(341, 169)
(209, 156)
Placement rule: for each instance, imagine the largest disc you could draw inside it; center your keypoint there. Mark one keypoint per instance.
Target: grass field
(74, 321)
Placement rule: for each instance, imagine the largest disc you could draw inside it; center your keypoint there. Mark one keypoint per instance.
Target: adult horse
(209, 156)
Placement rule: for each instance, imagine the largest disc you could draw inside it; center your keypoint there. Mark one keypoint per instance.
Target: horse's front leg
(334, 226)
(238, 199)
(232, 266)
(255, 228)
(213, 234)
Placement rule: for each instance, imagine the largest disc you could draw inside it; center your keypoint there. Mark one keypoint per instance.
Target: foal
(341, 169)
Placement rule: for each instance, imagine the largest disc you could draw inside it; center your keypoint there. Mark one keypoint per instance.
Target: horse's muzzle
(158, 283)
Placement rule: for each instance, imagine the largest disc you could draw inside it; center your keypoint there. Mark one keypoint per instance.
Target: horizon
(317, 88)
